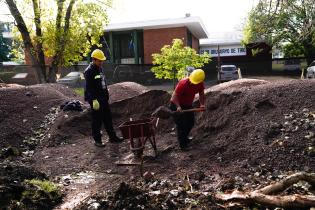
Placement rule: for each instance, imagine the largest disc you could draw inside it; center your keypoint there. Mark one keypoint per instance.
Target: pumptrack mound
(252, 132)
(266, 124)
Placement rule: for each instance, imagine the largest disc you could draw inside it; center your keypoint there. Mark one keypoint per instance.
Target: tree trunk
(39, 45)
(62, 35)
(28, 45)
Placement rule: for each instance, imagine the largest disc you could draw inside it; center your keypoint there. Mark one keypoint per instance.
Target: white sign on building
(233, 50)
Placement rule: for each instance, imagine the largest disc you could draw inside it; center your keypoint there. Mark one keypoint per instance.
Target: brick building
(134, 43)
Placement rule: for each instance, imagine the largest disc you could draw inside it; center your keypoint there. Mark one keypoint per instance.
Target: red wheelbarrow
(139, 132)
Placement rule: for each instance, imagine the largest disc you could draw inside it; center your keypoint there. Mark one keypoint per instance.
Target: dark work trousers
(184, 123)
(103, 115)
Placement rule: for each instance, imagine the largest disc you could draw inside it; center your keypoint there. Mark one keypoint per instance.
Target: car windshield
(312, 64)
(73, 74)
(228, 68)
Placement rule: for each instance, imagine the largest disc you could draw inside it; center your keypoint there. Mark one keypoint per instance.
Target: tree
(280, 23)
(63, 30)
(292, 50)
(173, 60)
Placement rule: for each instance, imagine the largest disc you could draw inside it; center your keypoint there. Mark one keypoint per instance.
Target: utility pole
(219, 61)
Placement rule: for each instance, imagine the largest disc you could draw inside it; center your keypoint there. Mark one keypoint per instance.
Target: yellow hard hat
(98, 54)
(197, 76)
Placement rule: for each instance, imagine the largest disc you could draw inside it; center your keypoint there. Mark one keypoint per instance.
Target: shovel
(164, 112)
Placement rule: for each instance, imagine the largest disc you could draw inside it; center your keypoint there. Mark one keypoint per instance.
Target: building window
(189, 39)
(126, 45)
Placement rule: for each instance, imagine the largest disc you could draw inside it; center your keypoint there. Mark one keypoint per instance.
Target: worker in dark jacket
(96, 93)
(182, 98)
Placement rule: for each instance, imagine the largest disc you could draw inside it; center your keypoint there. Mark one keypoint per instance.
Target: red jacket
(186, 91)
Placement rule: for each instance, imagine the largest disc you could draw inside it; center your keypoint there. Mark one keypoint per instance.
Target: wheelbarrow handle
(157, 122)
(194, 110)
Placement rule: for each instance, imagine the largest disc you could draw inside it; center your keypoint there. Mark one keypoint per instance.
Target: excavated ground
(252, 132)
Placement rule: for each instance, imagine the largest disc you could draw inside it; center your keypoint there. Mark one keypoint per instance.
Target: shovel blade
(162, 112)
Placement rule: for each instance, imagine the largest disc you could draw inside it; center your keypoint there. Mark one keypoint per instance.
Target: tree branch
(263, 197)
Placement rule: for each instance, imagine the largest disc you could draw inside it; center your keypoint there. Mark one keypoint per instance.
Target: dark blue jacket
(95, 84)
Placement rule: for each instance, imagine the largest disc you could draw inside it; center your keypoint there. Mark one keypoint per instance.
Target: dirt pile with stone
(25, 111)
(254, 123)
(251, 133)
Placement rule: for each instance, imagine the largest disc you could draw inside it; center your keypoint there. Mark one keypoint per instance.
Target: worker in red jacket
(96, 93)
(183, 98)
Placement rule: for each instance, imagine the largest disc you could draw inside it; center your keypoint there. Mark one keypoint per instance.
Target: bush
(40, 194)
(79, 91)
(6, 76)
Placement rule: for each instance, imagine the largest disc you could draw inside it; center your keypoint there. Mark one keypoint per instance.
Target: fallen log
(265, 196)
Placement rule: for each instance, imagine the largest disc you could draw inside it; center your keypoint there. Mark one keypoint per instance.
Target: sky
(219, 16)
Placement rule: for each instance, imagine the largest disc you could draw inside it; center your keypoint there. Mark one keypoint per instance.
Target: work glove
(179, 109)
(96, 105)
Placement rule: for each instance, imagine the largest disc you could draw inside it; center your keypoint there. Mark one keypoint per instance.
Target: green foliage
(256, 51)
(44, 185)
(176, 58)
(292, 50)
(79, 91)
(87, 22)
(280, 23)
(6, 76)
(4, 45)
(17, 47)
(87, 25)
(41, 194)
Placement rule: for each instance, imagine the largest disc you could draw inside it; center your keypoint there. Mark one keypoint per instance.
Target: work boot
(189, 139)
(115, 139)
(185, 148)
(183, 145)
(99, 144)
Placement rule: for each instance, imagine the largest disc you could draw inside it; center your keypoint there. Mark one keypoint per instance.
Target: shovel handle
(194, 110)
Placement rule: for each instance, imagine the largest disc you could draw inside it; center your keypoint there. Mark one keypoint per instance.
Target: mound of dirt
(236, 85)
(249, 127)
(12, 177)
(23, 110)
(253, 123)
(71, 126)
(123, 90)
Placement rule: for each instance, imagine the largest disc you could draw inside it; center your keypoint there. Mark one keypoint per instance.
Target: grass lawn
(79, 91)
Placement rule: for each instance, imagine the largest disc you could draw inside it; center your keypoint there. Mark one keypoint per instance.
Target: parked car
(227, 73)
(310, 71)
(73, 79)
(292, 65)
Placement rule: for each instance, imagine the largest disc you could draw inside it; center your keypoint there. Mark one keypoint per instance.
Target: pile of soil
(128, 101)
(252, 130)
(124, 90)
(246, 119)
(155, 196)
(23, 109)
(20, 188)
